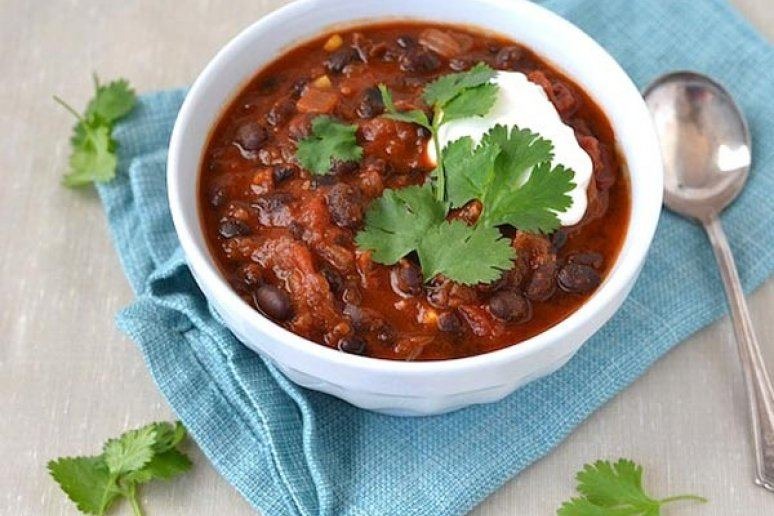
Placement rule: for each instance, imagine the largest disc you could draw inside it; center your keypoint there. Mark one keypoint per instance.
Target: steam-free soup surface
(284, 237)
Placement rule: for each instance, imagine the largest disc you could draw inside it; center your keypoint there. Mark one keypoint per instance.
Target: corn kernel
(333, 43)
(427, 316)
(322, 82)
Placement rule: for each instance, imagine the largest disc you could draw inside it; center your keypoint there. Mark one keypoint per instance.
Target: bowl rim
(630, 258)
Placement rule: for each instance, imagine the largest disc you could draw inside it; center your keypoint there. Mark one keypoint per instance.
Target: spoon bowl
(705, 143)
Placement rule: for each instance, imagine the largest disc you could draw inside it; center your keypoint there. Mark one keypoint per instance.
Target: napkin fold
(291, 451)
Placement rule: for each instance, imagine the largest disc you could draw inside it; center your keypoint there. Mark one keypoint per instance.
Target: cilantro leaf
(583, 507)
(495, 172)
(471, 102)
(92, 157)
(521, 150)
(93, 160)
(445, 88)
(86, 481)
(396, 222)
(533, 207)
(137, 456)
(330, 140)
(412, 219)
(168, 435)
(111, 101)
(468, 169)
(162, 466)
(416, 116)
(131, 451)
(465, 254)
(613, 489)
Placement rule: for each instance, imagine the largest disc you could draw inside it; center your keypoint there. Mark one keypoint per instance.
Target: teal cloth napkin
(293, 451)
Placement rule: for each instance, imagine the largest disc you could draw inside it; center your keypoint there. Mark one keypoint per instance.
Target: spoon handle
(760, 393)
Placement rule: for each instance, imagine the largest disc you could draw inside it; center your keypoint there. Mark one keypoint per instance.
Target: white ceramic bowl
(417, 388)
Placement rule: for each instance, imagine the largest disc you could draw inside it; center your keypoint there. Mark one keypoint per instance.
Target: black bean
(251, 136)
(558, 239)
(274, 208)
(406, 42)
(341, 168)
(419, 59)
(298, 88)
(345, 205)
(459, 64)
(274, 302)
(334, 279)
(438, 293)
(578, 279)
(449, 322)
(217, 197)
(542, 284)
(230, 228)
(508, 57)
(281, 112)
(326, 180)
(283, 171)
(385, 333)
(352, 344)
(341, 58)
(371, 104)
(361, 318)
(592, 259)
(269, 85)
(406, 279)
(296, 230)
(509, 306)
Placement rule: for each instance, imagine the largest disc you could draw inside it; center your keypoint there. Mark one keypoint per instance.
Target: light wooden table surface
(69, 379)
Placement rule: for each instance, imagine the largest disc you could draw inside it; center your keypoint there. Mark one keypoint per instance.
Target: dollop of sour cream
(525, 104)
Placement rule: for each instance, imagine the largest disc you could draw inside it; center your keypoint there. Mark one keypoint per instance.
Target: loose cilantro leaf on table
(92, 158)
(111, 101)
(330, 140)
(615, 489)
(137, 456)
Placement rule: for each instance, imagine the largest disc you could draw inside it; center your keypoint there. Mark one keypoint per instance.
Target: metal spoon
(706, 149)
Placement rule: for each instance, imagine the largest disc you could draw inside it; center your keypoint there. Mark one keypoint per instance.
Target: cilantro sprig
(92, 157)
(615, 489)
(329, 141)
(451, 97)
(136, 457)
(509, 173)
(412, 219)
